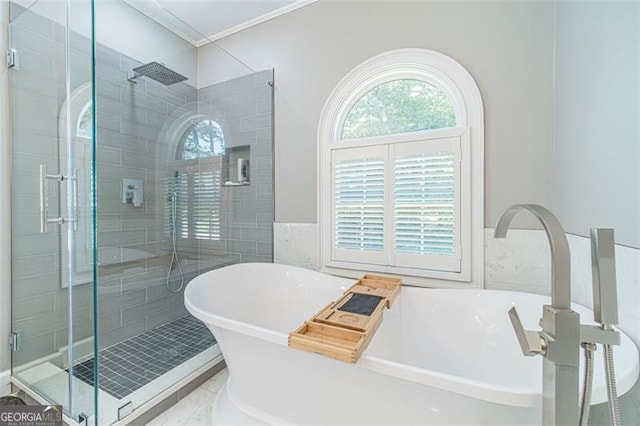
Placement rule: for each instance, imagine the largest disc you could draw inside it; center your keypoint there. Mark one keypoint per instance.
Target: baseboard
(5, 382)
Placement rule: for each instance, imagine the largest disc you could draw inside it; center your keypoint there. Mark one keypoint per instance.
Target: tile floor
(129, 365)
(195, 408)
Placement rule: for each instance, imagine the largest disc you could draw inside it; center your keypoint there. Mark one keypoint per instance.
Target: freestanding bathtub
(439, 357)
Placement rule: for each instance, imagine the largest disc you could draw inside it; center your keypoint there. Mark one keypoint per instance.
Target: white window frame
(450, 77)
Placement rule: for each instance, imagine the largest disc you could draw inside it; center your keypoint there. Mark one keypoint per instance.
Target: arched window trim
(73, 108)
(83, 111)
(449, 76)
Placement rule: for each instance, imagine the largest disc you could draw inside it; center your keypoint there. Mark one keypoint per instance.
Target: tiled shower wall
(132, 119)
(133, 296)
(243, 108)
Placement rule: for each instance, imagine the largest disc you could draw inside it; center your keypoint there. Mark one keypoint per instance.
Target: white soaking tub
(440, 356)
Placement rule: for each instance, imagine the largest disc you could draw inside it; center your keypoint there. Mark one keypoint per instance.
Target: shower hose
(174, 251)
(612, 392)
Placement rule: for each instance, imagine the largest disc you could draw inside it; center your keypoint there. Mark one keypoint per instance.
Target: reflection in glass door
(52, 247)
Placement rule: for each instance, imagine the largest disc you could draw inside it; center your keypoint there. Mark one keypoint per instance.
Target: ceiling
(204, 21)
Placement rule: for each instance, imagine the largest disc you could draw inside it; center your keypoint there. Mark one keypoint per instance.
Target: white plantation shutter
(359, 204)
(399, 204)
(426, 204)
(198, 202)
(205, 210)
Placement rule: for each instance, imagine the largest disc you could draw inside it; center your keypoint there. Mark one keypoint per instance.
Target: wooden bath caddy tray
(343, 329)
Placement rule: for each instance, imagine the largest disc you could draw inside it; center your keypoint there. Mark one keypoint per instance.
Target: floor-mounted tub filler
(441, 356)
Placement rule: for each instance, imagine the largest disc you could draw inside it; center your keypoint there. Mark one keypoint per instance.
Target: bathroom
(559, 86)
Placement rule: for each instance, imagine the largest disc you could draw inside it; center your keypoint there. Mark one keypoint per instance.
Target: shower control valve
(531, 342)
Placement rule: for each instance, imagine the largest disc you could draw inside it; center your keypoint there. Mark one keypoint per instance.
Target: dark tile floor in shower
(128, 365)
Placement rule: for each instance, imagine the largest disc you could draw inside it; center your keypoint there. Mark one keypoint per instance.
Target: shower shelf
(236, 168)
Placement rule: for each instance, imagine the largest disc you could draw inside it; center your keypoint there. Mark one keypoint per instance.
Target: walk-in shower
(150, 180)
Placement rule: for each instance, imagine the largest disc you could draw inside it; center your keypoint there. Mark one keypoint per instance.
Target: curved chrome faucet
(559, 340)
(560, 258)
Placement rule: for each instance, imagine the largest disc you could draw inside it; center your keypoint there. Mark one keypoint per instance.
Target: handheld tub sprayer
(605, 312)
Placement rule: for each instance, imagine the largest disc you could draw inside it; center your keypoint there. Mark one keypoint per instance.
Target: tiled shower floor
(129, 365)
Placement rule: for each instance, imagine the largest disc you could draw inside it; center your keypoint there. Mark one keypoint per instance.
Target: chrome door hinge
(15, 340)
(13, 60)
(125, 410)
(83, 419)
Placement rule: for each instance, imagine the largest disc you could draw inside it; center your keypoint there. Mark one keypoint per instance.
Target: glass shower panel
(51, 170)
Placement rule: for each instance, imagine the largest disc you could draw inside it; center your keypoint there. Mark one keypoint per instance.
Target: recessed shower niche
(236, 167)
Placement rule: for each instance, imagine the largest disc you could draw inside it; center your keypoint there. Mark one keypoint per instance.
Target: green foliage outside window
(399, 106)
(203, 139)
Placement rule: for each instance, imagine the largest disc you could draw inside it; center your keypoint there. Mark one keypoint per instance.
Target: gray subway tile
(32, 306)
(122, 333)
(80, 331)
(116, 139)
(139, 130)
(265, 249)
(28, 266)
(109, 321)
(248, 247)
(106, 89)
(32, 42)
(34, 347)
(51, 321)
(26, 142)
(143, 310)
(36, 244)
(45, 108)
(121, 301)
(36, 24)
(108, 122)
(36, 75)
(106, 155)
(139, 160)
(81, 294)
(265, 220)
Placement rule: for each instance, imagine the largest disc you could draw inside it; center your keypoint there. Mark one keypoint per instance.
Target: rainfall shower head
(158, 72)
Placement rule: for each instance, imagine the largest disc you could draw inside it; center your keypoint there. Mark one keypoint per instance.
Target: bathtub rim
(485, 391)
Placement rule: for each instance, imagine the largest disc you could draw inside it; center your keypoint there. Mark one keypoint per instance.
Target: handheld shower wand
(174, 251)
(605, 310)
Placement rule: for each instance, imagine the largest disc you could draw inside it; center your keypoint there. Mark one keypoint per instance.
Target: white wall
(5, 204)
(507, 48)
(597, 134)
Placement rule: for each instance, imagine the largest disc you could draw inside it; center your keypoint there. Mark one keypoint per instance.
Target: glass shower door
(52, 227)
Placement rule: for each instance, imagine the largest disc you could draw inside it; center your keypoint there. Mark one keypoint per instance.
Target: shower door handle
(44, 198)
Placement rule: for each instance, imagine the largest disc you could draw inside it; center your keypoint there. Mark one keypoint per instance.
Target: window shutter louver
(205, 190)
(426, 204)
(359, 204)
(424, 192)
(197, 204)
(398, 205)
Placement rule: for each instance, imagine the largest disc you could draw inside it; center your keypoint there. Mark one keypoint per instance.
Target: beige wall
(507, 48)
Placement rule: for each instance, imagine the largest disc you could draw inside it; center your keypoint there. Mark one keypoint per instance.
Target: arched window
(401, 141)
(194, 182)
(399, 106)
(203, 139)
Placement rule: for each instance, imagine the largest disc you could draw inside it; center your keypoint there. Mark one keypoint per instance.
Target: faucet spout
(560, 258)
